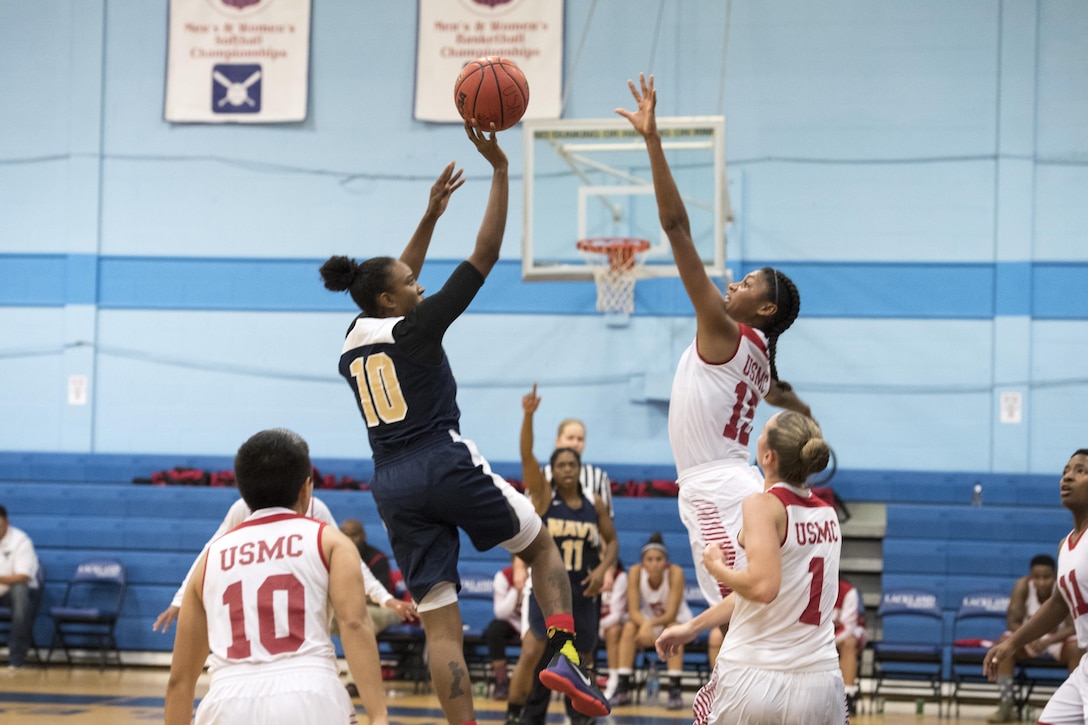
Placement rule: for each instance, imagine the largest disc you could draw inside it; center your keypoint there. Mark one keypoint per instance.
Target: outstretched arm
(540, 492)
(489, 238)
(448, 182)
(716, 331)
(676, 636)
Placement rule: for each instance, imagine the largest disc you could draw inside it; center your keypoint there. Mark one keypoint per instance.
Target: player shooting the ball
(428, 480)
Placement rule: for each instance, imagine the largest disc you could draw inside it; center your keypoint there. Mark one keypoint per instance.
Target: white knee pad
(441, 595)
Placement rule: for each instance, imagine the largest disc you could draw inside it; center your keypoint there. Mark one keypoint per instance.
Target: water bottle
(976, 495)
(653, 685)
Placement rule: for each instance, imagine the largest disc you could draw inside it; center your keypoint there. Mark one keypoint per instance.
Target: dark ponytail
(783, 292)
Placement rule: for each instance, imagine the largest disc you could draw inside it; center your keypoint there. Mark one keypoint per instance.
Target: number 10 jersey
(266, 591)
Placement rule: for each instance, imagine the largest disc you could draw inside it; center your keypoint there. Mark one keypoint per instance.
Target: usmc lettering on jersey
(757, 373)
(811, 532)
(260, 551)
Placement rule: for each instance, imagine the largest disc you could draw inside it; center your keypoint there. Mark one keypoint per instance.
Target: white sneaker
(611, 685)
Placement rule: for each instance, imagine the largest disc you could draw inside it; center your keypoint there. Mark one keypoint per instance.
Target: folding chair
(979, 623)
(35, 604)
(88, 613)
(910, 647)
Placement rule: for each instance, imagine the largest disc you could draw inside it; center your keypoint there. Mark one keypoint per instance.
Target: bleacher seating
(78, 506)
(955, 549)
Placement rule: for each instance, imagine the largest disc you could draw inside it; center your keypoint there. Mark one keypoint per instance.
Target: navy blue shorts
(426, 494)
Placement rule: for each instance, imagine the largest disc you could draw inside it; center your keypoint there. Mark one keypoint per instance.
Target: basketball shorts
(427, 493)
(1069, 703)
(741, 694)
(294, 690)
(710, 501)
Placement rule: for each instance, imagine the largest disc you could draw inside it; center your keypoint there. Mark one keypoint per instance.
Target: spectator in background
(850, 638)
(655, 600)
(18, 587)
(507, 592)
(384, 612)
(613, 617)
(1028, 595)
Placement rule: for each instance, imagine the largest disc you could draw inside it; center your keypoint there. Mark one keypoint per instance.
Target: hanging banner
(238, 61)
(454, 32)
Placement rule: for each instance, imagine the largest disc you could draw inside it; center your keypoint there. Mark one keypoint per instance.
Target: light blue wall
(918, 168)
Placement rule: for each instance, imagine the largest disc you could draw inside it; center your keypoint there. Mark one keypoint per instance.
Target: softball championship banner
(238, 61)
(454, 32)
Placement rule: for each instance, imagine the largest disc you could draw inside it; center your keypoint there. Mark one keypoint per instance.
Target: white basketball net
(615, 264)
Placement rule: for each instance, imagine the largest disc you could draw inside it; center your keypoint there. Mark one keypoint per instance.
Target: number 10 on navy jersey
(380, 396)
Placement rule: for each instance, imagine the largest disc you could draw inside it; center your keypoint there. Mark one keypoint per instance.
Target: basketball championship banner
(238, 61)
(454, 32)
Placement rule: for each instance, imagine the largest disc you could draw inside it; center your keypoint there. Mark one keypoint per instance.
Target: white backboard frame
(585, 145)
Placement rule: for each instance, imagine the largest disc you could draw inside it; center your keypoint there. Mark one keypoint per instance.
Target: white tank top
(266, 591)
(654, 602)
(712, 405)
(1032, 604)
(1073, 582)
(796, 631)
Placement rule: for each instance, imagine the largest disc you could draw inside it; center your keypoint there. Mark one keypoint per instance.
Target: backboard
(591, 178)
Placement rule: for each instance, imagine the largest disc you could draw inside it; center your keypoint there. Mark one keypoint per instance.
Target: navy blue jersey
(399, 372)
(576, 534)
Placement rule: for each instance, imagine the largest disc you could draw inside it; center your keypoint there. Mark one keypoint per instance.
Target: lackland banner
(454, 32)
(238, 61)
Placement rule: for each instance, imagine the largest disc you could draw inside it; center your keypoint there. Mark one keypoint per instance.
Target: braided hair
(365, 281)
(783, 292)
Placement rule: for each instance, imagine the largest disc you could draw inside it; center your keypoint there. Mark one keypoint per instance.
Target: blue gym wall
(920, 169)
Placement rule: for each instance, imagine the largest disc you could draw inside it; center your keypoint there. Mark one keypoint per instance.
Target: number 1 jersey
(795, 631)
(266, 591)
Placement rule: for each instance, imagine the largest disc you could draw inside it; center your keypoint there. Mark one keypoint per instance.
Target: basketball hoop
(615, 262)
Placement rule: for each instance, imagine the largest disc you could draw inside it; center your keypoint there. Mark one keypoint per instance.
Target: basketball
(491, 90)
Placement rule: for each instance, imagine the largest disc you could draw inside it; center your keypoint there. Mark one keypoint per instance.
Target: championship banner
(454, 32)
(238, 61)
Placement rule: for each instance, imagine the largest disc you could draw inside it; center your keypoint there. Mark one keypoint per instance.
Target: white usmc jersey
(266, 591)
(712, 405)
(796, 631)
(1073, 582)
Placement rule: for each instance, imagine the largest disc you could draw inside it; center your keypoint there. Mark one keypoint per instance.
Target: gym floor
(129, 695)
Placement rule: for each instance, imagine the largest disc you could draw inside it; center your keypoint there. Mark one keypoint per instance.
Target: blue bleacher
(76, 506)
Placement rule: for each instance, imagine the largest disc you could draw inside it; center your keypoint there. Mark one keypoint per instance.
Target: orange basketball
(492, 90)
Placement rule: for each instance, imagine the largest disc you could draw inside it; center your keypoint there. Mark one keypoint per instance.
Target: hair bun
(338, 273)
